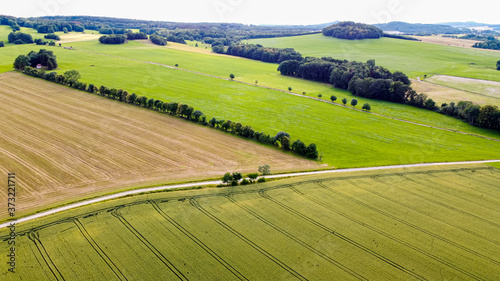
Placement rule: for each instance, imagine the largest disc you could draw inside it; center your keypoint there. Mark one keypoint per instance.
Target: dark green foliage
(253, 176)
(333, 98)
(354, 102)
(498, 62)
(2, 44)
(265, 54)
(366, 107)
(344, 101)
(52, 36)
(113, 39)
(231, 76)
(20, 38)
(351, 30)
(491, 43)
(72, 75)
(489, 117)
(245, 182)
(136, 36)
(312, 152)
(299, 147)
(158, 40)
(430, 104)
(227, 178)
(40, 42)
(43, 57)
(261, 180)
(401, 37)
(418, 28)
(21, 62)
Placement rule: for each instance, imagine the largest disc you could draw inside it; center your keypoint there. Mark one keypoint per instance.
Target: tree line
(265, 54)
(491, 43)
(352, 31)
(487, 116)
(158, 40)
(282, 139)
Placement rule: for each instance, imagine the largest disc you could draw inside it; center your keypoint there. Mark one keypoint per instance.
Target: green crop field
(437, 223)
(347, 138)
(411, 57)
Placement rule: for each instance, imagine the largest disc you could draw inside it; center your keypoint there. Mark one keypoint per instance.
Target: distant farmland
(64, 145)
(437, 223)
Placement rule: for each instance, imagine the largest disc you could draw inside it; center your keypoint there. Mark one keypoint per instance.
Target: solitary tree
(265, 170)
(366, 107)
(498, 65)
(237, 177)
(354, 102)
(72, 75)
(289, 89)
(253, 177)
(344, 101)
(227, 178)
(231, 76)
(333, 98)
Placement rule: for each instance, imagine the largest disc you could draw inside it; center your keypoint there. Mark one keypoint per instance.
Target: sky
(265, 11)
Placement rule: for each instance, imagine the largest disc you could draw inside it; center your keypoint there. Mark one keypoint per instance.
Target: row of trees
(158, 40)
(185, 111)
(44, 57)
(486, 116)
(235, 178)
(491, 43)
(351, 30)
(113, 39)
(20, 38)
(136, 35)
(265, 54)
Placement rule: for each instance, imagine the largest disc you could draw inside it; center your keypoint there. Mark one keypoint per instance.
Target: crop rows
(411, 225)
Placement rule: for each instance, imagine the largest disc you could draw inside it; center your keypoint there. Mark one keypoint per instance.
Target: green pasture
(345, 138)
(411, 57)
(404, 224)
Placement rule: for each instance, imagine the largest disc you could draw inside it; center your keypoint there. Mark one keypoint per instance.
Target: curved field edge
(369, 216)
(64, 145)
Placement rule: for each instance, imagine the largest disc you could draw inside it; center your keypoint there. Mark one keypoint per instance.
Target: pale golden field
(65, 145)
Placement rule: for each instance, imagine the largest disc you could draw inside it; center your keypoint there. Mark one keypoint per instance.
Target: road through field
(205, 183)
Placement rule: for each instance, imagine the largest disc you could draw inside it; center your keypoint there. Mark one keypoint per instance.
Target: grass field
(116, 66)
(438, 223)
(411, 57)
(64, 145)
(485, 88)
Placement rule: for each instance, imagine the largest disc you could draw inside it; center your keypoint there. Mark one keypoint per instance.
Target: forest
(353, 31)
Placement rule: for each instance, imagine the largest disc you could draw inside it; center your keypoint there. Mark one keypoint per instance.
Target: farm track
(268, 255)
(154, 204)
(381, 232)
(116, 213)
(298, 95)
(99, 250)
(263, 194)
(168, 187)
(35, 238)
(198, 242)
(297, 240)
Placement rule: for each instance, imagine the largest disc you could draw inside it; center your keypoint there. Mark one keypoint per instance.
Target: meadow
(406, 224)
(345, 137)
(413, 58)
(66, 145)
(115, 66)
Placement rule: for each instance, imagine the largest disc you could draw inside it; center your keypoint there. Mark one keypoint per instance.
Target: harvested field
(484, 88)
(425, 223)
(440, 93)
(65, 145)
(464, 43)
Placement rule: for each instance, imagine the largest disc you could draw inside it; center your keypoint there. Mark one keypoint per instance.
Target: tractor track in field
(263, 194)
(194, 202)
(297, 240)
(298, 95)
(198, 242)
(217, 182)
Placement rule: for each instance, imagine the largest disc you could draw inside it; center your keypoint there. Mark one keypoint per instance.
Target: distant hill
(419, 28)
(353, 31)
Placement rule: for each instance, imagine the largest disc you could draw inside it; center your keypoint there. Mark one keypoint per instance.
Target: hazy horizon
(260, 12)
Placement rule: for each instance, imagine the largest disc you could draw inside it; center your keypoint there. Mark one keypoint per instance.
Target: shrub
(245, 182)
(261, 180)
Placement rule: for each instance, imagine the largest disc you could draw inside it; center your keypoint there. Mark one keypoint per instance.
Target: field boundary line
(298, 95)
(218, 182)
